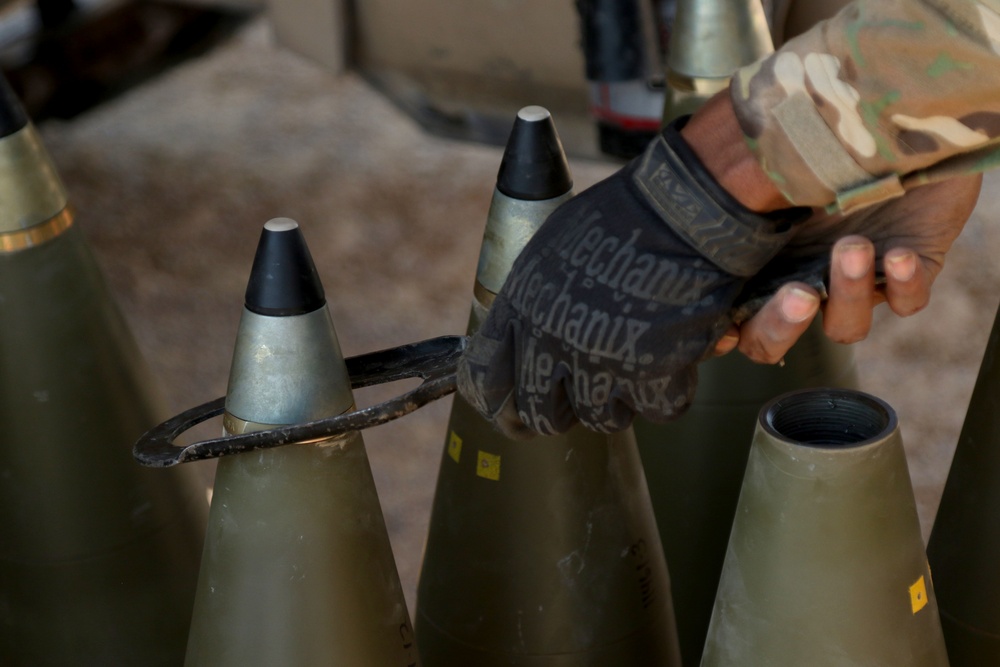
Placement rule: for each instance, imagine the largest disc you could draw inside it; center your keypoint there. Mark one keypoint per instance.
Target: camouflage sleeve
(881, 95)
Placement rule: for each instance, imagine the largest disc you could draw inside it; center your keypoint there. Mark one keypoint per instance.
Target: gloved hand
(617, 297)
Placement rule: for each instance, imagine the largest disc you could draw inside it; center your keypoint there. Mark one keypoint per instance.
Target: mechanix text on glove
(621, 292)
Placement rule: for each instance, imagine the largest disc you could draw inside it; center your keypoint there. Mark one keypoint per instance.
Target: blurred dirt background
(174, 180)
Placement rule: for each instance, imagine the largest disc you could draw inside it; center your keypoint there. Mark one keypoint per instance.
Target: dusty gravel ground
(174, 180)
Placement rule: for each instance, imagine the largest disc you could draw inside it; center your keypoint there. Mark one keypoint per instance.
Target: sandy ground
(174, 180)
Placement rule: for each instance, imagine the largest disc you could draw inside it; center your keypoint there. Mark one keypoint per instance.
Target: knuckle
(907, 309)
(847, 337)
(756, 351)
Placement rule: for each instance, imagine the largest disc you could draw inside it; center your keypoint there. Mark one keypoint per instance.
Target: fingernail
(798, 305)
(901, 267)
(855, 261)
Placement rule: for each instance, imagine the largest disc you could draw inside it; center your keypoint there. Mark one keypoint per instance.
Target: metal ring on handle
(433, 360)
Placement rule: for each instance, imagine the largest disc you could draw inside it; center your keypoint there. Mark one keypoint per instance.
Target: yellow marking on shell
(488, 466)
(991, 24)
(949, 129)
(454, 447)
(918, 595)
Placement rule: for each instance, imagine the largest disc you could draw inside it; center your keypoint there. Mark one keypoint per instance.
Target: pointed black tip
(13, 117)
(534, 165)
(283, 280)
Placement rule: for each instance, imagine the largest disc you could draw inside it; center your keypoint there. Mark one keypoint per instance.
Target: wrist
(675, 184)
(715, 137)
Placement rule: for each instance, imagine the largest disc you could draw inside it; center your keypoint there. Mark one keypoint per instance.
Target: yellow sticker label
(918, 595)
(455, 447)
(488, 466)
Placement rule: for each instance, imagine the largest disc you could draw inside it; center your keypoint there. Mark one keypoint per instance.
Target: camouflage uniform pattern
(884, 95)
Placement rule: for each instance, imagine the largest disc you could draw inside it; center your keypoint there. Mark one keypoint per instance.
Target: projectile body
(826, 565)
(694, 466)
(540, 552)
(297, 568)
(710, 41)
(98, 556)
(964, 548)
(621, 55)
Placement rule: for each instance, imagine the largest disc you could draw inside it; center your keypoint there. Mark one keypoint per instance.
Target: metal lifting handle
(433, 360)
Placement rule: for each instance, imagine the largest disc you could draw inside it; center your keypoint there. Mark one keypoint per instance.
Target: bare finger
(847, 317)
(728, 342)
(768, 335)
(908, 282)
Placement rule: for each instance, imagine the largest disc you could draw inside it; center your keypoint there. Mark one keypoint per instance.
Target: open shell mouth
(829, 418)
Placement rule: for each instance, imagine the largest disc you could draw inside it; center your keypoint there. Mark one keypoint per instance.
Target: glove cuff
(687, 197)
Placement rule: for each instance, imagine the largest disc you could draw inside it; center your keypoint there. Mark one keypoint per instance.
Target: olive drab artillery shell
(623, 69)
(98, 556)
(711, 39)
(826, 564)
(297, 568)
(964, 548)
(540, 552)
(694, 465)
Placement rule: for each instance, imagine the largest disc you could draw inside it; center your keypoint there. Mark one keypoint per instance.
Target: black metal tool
(434, 361)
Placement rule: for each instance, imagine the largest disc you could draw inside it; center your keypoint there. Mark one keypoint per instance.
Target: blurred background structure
(174, 174)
